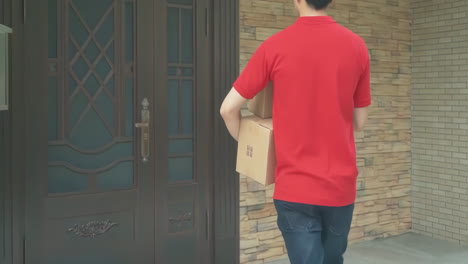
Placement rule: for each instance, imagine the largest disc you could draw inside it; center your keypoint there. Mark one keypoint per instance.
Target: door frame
(223, 33)
(14, 199)
(226, 36)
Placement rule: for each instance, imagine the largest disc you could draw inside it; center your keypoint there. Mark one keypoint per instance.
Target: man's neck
(312, 12)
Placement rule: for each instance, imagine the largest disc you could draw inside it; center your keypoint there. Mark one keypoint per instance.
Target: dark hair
(318, 4)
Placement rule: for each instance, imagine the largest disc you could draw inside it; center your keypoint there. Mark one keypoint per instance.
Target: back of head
(318, 4)
(312, 7)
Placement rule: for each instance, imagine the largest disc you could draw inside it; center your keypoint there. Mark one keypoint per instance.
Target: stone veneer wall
(440, 118)
(383, 205)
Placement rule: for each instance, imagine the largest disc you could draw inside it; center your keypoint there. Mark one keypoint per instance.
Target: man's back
(320, 72)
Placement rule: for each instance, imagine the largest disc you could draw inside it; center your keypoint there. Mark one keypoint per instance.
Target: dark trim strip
(85, 171)
(94, 151)
(226, 182)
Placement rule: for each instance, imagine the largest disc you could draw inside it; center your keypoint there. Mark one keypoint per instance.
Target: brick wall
(440, 118)
(383, 206)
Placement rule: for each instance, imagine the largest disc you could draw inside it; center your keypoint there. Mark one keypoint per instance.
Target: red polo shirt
(320, 72)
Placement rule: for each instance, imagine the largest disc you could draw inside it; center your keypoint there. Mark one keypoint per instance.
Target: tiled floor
(405, 249)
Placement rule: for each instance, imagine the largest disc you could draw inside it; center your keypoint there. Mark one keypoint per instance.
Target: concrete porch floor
(408, 248)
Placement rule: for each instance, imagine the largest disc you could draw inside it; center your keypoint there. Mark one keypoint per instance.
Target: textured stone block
(244, 243)
(269, 235)
(267, 226)
(276, 251)
(268, 210)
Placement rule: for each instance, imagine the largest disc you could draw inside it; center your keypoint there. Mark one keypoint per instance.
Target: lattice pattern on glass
(91, 117)
(90, 67)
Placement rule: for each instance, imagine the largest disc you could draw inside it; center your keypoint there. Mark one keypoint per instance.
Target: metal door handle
(144, 127)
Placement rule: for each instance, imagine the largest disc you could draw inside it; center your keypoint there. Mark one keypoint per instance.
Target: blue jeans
(314, 234)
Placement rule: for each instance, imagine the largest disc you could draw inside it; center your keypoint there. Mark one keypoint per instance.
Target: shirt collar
(315, 20)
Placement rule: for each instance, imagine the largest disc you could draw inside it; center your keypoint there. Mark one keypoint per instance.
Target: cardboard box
(262, 104)
(256, 157)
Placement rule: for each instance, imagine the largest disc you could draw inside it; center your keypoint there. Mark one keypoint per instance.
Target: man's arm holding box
(253, 79)
(231, 112)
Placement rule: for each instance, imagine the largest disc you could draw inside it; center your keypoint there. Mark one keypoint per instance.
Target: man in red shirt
(321, 77)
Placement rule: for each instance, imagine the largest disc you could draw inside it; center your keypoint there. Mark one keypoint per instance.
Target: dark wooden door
(118, 132)
(184, 132)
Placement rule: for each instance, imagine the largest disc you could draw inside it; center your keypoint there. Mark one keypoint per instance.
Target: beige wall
(383, 206)
(440, 118)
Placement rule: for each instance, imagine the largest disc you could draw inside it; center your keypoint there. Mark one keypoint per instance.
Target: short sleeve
(255, 75)
(362, 95)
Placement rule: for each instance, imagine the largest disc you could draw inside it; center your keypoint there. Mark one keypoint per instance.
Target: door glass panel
(180, 34)
(187, 107)
(110, 52)
(80, 68)
(129, 107)
(92, 52)
(180, 90)
(53, 115)
(180, 146)
(173, 104)
(173, 34)
(72, 52)
(63, 180)
(106, 31)
(92, 11)
(77, 106)
(105, 107)
(110, 84)
(129, 31)
(116, 178)
(53, 29)
(91, 131)
(103, 69)
(173, 71)
(78, 31)
(92, 85)
(187, 35)
(91, 144)
(187, 71)
(180, 169)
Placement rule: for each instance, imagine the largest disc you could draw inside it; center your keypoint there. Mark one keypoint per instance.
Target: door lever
(144, 127)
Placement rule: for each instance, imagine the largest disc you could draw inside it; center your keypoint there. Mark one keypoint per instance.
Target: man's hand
(360, 119)
(231, 112)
